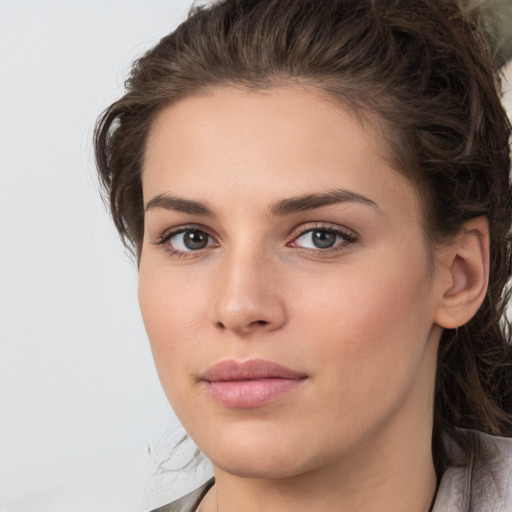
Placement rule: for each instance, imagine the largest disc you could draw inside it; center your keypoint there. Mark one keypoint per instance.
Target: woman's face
(285, 283)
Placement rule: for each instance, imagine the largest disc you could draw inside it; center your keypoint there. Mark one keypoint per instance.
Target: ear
(464, 269)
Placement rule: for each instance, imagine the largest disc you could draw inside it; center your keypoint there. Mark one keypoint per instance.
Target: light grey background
(80, 401)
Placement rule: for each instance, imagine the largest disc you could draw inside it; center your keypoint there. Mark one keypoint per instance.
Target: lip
(250, 384)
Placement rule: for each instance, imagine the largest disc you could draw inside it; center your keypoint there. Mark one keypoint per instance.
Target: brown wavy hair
(424, 70)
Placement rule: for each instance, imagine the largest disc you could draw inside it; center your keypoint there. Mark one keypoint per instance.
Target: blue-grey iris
(323, 239)
(195, 240)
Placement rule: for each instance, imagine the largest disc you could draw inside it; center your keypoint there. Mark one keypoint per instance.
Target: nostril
(261, 323)
(243, 327)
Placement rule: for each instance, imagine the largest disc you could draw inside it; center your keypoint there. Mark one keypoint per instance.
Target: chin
(259, 456)
(263, 466)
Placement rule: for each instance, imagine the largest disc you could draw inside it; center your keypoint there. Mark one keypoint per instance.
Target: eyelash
(168, 235)
(349, 239)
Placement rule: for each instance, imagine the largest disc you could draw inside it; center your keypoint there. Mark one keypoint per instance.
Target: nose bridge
(247, 295)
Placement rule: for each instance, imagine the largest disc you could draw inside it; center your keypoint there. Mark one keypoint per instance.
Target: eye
(323, 238)
(186, 240)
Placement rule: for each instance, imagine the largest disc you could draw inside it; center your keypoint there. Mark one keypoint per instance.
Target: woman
(318, 197)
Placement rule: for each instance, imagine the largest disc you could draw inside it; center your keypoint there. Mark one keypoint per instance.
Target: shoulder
(485, 487)
(189, 502)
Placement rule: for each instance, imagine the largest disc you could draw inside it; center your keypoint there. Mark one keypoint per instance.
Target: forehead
(249, 145)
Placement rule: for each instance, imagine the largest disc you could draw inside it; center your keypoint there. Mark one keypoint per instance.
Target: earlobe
(467, 264)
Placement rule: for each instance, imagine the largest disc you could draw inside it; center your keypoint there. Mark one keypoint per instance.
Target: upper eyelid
(302, 227)
(321, 225)
(176, 230)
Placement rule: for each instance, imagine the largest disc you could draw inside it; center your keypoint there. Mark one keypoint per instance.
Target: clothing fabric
(189, 502)
(485, 488)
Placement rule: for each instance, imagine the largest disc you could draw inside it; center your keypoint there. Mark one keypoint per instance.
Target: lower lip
(249, 394)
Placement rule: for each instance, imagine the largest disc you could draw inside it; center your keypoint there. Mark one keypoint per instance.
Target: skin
(361, 320)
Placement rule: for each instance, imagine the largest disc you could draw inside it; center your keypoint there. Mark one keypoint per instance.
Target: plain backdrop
(80, 402)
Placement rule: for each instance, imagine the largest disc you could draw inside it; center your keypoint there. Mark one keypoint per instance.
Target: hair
(424, 71)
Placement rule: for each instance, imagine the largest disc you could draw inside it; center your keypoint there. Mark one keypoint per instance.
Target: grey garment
(487, 488)
(189, 502)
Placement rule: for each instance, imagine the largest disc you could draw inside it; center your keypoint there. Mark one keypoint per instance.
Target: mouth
(250, 384)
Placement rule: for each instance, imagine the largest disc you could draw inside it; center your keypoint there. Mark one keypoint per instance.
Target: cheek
(372, 320)
(171, 314)
(170, 302)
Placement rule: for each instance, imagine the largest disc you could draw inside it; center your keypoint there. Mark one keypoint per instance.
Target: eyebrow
(178, 204)
(288, 206)
(312, 201)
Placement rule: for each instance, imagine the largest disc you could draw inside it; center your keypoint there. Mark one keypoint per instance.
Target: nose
(248, 296)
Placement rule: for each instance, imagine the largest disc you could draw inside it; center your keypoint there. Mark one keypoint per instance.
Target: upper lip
(252, 369)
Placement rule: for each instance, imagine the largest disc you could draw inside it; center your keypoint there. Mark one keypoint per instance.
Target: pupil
(195, 240)
(323, 239)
